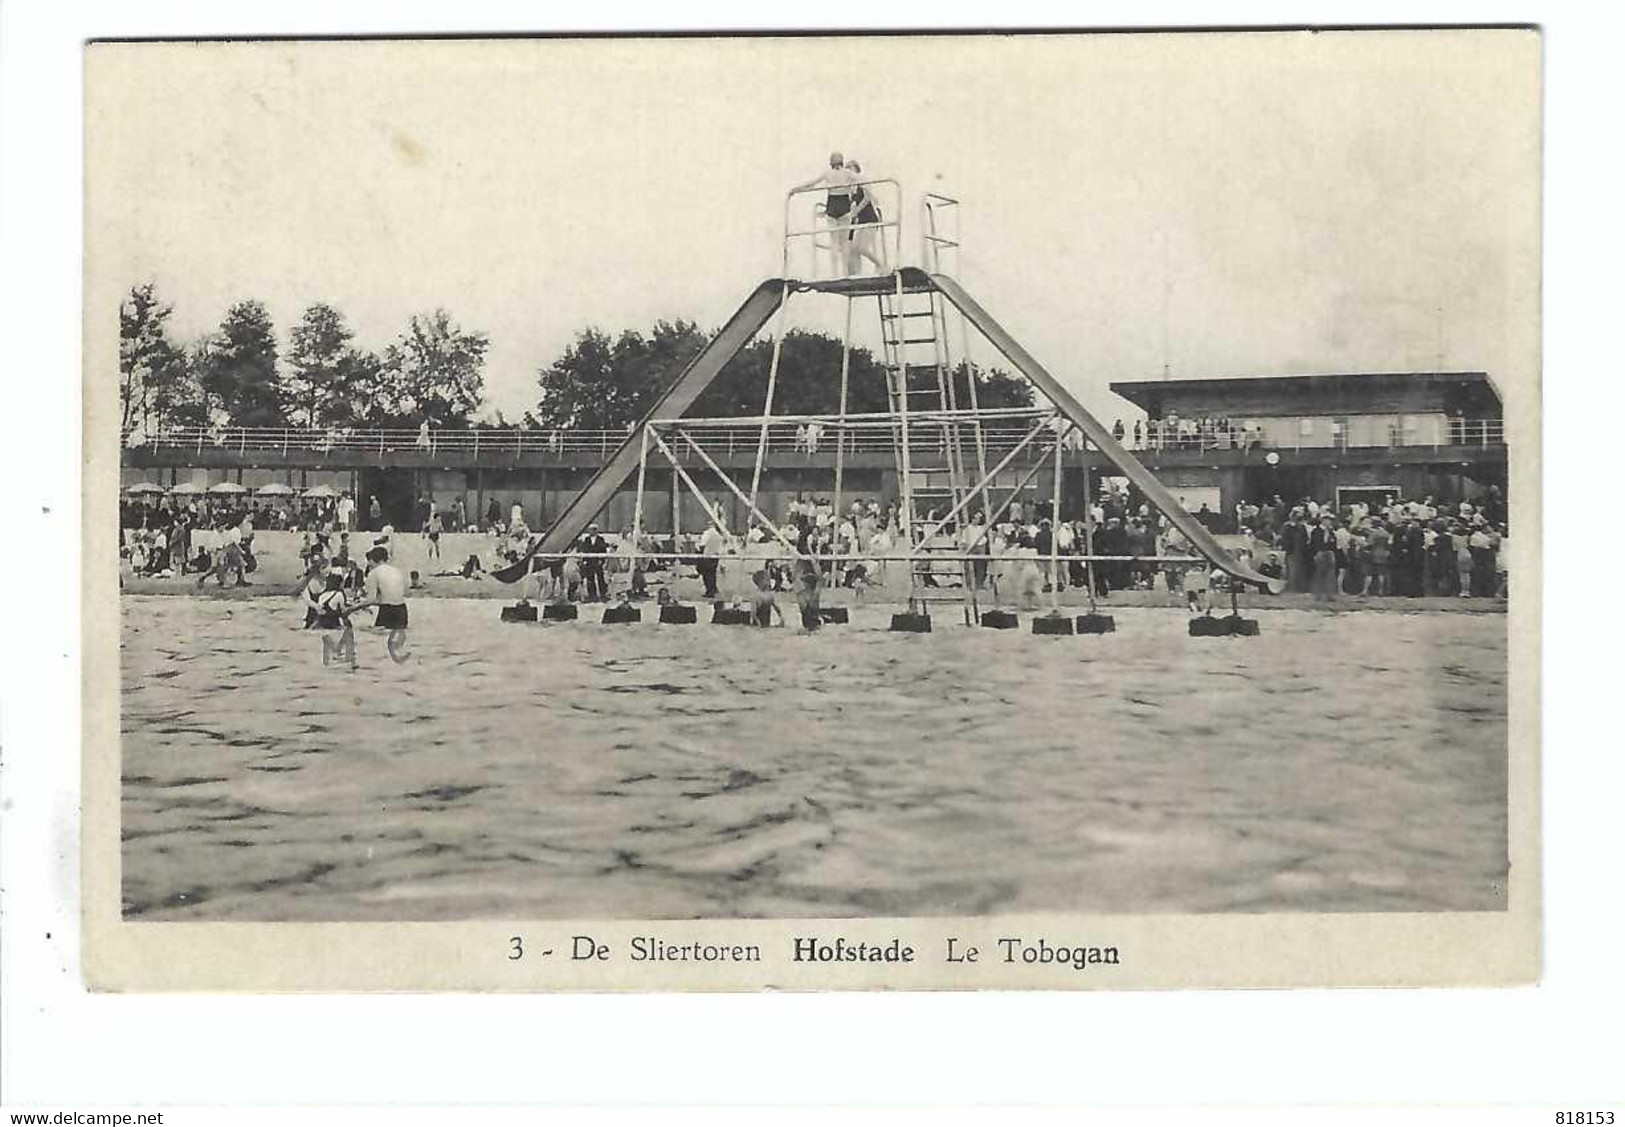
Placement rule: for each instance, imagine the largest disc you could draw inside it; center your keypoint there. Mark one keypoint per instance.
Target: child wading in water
(763, 605)
(333, 620)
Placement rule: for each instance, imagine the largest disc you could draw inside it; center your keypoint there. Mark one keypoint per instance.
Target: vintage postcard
(813, 512)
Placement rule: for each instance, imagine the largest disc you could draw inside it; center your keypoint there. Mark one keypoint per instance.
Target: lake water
(1353, 761)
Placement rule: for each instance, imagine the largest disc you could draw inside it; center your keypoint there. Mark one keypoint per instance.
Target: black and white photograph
(769, 496)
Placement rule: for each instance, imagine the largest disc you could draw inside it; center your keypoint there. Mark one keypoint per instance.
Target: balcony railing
(1453, 432)
(782, 438)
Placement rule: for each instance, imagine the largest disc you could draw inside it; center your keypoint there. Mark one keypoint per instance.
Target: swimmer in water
(763, 605)
(386, 590)
(333, 620)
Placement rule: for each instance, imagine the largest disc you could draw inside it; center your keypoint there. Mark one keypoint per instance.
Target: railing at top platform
(825, 236)
(939, 233)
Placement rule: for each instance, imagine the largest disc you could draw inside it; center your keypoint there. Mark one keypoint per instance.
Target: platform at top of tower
(914, 279)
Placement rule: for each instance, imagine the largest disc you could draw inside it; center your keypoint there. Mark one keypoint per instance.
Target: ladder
(927, 444)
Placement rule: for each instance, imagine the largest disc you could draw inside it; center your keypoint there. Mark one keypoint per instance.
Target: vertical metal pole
(637, 505)
(1055, 527)
(772, 382)
(676, 512)
(840, 431)
(1089, 529)
(906, 486)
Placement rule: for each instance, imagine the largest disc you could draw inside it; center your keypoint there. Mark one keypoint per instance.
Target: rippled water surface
(1338, 762)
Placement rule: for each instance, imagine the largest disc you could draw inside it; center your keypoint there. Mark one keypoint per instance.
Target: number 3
(516, 948)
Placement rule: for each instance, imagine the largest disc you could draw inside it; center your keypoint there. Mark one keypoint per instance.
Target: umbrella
(228, 487)
(275, 489)
(321, 491)
(185, 488)
(145, 487)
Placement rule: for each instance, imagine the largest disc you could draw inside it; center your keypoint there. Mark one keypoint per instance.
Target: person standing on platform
(837, 207)
(863, 240)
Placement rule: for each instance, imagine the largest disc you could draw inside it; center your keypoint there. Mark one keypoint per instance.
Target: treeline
(433, 372)
(237, 375)
(606, 383)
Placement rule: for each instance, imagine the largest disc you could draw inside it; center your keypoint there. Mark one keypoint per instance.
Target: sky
(1133, 206)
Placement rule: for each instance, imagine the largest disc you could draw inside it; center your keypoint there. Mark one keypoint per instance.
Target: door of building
(396, 490)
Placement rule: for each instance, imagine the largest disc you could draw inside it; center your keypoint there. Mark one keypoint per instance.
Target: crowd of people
(1174, 432)
(1397, 547)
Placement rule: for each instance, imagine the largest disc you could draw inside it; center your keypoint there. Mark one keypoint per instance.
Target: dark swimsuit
(867, 213)
(837, 204)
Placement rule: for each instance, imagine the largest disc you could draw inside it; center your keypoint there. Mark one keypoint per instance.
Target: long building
(1332, 437)
(1340, 438)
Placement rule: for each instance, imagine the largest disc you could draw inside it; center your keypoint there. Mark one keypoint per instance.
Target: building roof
(1149, 394)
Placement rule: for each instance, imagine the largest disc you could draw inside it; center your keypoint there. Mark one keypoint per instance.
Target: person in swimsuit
(386, 590)
(837, 206)
(333, 620)
(809, 579)
(763, 605)
(310, 591)
(864, 242)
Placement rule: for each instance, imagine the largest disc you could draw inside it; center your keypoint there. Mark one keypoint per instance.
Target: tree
(154, 380)
(599, 384)
(327, 382)
(605, 385)
(238, 368)
(433, 373)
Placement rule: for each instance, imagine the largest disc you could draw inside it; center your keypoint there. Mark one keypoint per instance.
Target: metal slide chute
(685, 389)
(1155, 492)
